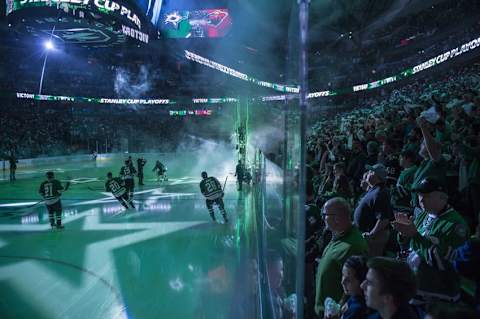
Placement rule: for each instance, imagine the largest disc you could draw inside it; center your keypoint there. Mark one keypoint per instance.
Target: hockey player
(127, 172)
(140, 164)
(51, 190)
(13, 166)
(161, 170)
(116, 186)
(213, 192)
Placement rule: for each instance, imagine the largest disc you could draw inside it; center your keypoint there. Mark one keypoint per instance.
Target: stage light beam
(49, 45)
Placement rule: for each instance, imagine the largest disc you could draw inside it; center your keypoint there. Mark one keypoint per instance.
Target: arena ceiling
(263, 41)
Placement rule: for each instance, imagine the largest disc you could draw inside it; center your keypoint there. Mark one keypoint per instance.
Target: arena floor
(166, 259)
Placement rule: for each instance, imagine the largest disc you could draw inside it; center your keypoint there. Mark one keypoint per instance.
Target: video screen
(208, 23)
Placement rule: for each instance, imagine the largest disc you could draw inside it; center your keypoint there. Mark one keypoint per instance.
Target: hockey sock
(212, 214)
(59, 219)
(52, 220)
(224, 214)
(124, 203)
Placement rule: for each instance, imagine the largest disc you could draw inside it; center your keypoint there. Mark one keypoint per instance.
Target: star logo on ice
(174, 18)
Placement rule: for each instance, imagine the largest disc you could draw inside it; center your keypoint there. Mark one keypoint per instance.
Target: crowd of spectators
(396, 46)
(36, 129)
(397, 180)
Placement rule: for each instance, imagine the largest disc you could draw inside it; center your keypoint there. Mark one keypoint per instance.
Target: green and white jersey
(428, 168)
(127, 172)
(433, 251)
(116, 186)
(401, 195)
(51, 191)
(211, 188)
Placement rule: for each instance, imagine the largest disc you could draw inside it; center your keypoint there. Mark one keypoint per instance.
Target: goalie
(51, 190)
(213, 192)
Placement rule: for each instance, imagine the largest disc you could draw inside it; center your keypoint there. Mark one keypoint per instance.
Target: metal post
(286, 175)
(44, 64)
(43, 72)
(303, 80)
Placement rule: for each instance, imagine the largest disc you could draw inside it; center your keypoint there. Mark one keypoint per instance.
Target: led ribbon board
(105, 6)
(242, 76)
(97, 23)
(43, 97)
(214, 100)
(441, 58)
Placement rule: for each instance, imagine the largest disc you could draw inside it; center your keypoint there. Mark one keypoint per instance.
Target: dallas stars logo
(174, 18)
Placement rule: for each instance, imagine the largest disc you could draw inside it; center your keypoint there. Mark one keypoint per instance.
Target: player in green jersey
(116, 186)
(51, 190)
(213, 192)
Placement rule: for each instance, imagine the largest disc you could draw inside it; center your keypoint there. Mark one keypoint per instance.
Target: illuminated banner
(222, 68)
(134, 101)
(43, 97)
(214, 100)
(319, 94)
(190, 112)
(209, 23)
(471, 45)
(447, 55)
(105, 6)
(133, 33)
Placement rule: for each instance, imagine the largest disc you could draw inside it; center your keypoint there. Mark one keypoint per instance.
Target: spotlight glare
(49, 45)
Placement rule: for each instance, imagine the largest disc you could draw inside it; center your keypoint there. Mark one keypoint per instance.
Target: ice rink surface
(166, 259)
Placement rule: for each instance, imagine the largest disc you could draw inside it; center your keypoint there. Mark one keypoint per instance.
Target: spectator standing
(373, 212)
(402, 191)
(346, 241)
(433, 164)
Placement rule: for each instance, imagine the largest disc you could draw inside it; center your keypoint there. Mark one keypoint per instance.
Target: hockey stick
(31, 206)
(224, 184)
(96, 189)
(68, 182)
(22, 211)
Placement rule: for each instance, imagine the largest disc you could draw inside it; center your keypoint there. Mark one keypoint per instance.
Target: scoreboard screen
(208, 23)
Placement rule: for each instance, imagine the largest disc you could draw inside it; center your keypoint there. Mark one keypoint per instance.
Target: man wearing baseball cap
(374, 211)
(433, 235)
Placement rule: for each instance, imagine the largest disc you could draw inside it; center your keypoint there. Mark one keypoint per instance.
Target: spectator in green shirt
(433, 164)
(401, 194)
(433, 236)
(347, 241)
